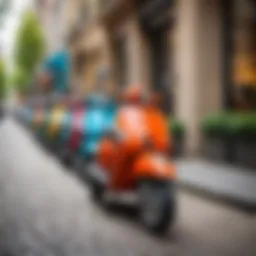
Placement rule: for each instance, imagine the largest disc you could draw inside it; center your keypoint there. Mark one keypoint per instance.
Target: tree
(5, 6)
(2, 80)
(21, 80)
(29, 49)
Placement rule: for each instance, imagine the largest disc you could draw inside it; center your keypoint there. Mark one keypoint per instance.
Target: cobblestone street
(45, 210)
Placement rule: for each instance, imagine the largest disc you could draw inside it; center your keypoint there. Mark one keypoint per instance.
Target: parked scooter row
(118, 149)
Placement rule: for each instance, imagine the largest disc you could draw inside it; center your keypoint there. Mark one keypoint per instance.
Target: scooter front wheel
(97, 180)
(66, 157)
(156, 205)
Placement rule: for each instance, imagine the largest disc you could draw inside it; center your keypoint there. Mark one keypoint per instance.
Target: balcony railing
(109, 7)
(106, 4)
(80, 22)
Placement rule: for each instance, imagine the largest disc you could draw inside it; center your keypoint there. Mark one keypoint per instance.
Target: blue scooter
(99, 118)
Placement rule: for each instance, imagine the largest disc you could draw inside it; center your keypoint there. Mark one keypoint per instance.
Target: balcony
(79, 22)
(112, 9)
(155, 14)
(106, 5)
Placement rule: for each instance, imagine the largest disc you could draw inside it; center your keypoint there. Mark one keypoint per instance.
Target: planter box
(178, 147)
(215, 148)
(245, 153)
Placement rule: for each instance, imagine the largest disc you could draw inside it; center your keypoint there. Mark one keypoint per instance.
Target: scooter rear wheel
(156, 205)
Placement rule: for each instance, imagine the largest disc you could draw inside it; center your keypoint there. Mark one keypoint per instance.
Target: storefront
(239, 33)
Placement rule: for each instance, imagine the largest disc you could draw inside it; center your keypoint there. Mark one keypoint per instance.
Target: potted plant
(243, 131)
(177, 129)
(216, 139)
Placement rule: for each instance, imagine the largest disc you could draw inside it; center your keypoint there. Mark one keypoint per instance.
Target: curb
(249, 207)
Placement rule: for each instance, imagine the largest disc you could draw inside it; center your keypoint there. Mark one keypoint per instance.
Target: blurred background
(199, 55)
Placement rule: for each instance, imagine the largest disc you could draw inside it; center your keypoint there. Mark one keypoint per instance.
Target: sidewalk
(234, 184)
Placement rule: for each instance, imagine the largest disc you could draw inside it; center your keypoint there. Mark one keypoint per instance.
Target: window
(243, 58)
(82, 15)
(42, 3)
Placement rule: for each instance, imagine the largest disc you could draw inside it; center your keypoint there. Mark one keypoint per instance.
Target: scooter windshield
(144, 124)
(100, 117)
(132, 121)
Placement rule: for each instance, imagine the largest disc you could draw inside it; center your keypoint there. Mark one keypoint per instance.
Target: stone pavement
(228, 182)
(45, 210)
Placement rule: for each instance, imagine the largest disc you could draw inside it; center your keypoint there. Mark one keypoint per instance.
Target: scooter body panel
(99, 119)
(65, 129)
(56, 121)
(151, 165)
(38, 118)
(76, 128)
(141, 152)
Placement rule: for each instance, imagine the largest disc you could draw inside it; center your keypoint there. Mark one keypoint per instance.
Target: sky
(8, 32)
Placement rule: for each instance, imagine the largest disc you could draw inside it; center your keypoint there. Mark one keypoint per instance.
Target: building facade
(53, 17)
(89, 47)
(198, 54)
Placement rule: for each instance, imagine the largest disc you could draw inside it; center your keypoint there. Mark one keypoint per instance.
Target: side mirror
(156, 99)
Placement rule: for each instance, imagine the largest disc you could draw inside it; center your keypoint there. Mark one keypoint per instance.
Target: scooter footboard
(154, 165)
(95, 174)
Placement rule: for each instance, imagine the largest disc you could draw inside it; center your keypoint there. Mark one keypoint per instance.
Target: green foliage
(2, 80)
(177, 128)
(20, 79)
(215, 124)
(29, 47)
(243, 125)
(232, 124)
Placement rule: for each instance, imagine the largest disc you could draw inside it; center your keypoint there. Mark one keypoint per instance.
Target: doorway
(120, 61)
(160, 67)
(156, 21)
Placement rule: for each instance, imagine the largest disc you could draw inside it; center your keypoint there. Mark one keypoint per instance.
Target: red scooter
(133, 159)
(76, 134)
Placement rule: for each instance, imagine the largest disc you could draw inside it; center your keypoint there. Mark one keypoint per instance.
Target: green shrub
(232, 124)
(177, 128)
(215, 125)
(20, 80)
(243, 125)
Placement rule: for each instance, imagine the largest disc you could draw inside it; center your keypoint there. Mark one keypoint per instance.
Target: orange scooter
(134, 159)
